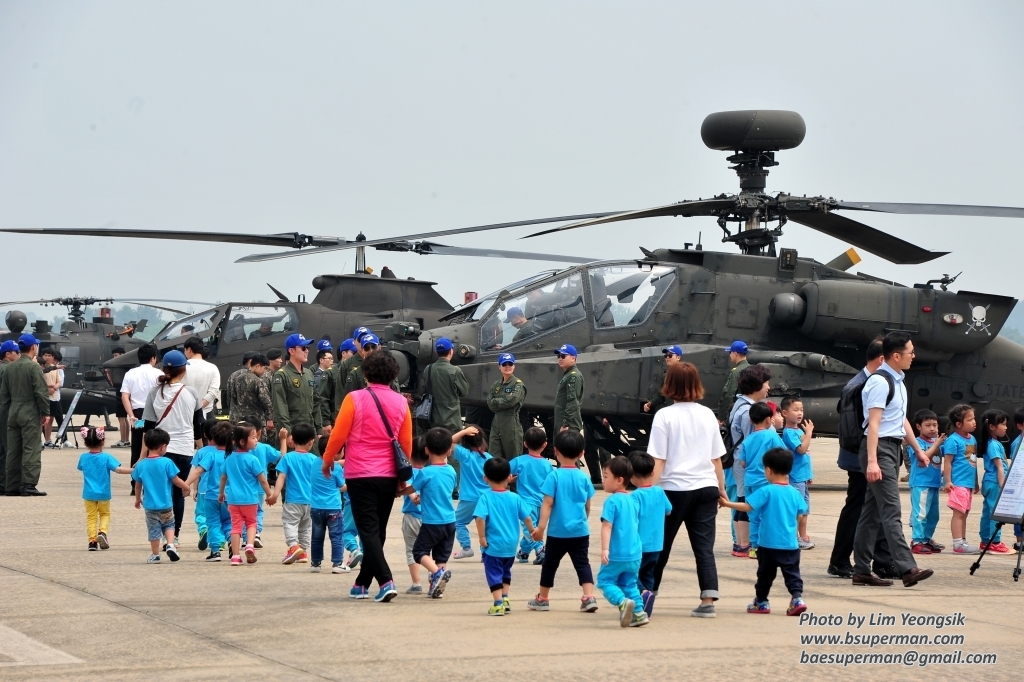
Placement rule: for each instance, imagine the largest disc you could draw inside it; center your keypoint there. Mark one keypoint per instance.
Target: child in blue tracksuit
(798, 440)
(991, 431)
(530, 471)
(925, 483)
(762, 439)
(654, 507)
(204, 480)
(498, 515)
(621, 549)
(1018, 420)
(778, 505)
(199, 490)
(470, 453)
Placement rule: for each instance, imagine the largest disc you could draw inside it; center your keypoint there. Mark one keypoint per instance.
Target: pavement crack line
(145, 614)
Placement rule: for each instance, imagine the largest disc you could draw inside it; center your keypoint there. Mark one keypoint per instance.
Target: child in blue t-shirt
(412, 514)
(498, 515)
(960, 472)
(297, 468)
(567, 494)
(96, 466)
(240, 484)
(1018, 420)
(621, 548)
(530, 472)
(993, 429)
(654, 507)
(267, 455)
(207, 466)
(778, 504)
(799, 442)
(153, 478)
(925, 484)
(470, 453)
(762, 439)
(435, 485)
(327, 517)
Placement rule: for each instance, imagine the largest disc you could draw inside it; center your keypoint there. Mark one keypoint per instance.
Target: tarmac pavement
(67, 613)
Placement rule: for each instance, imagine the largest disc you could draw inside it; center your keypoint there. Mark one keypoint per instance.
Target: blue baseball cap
(674, 350)
(506, 358)
(738, 347)
(347, 345)
(566, 349)
(359, 332)
(9, 347)
(514, 312)
(443, 345)
(28, 340)
(175, 358)
(296, 341)
(323, 344)
(368, 339)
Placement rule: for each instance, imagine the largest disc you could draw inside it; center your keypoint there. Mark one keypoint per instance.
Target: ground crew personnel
(505, 398)
(333, 382)
(293, 395)
(23, 392)
(252, 397)
(569, 396)
(448, 385)
(673, 354)
(342, 370)
(738, 357)
(355, 380)
(324, 361)
(8, 353)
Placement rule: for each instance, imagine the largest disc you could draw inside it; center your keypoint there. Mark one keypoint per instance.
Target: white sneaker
(464, 553)
(963, 547)
(804, 544)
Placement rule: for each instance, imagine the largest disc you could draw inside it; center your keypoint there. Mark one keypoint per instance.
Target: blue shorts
(498, 571)
(158, 522)
(805, 493)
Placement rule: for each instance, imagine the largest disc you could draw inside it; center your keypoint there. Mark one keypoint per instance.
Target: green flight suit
(729, 390)
(295, 399)
(23, 394)
(332, 391)
(568, 400)
(448, 385)
(355, 381)
(505, 399)
(3, 434)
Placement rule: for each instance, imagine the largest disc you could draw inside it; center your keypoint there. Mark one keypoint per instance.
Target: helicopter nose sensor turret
(15, 321)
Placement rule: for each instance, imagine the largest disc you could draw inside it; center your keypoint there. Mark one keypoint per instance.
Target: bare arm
(266, 488)
(545, 514)
(123, 470)
(947, 471)
(659, 467)
(481, 527)
(223, 482)
(606, 541)
(873, 473)
(719, 474)
(278, 487)
(723, 501)
(138, 494)
(181, 484)
(126, 401)
(805, 442)
(909, 439)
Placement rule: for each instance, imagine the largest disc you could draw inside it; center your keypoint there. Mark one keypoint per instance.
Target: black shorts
(56, 412)
(119, 410)
(435, 539)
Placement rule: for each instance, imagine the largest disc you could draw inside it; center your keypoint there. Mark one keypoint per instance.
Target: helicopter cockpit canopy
(200, 323)
(484, 304)
(624, 296)
(530, 311)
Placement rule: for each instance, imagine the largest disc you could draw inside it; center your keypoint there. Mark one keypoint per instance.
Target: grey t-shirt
(740, 427)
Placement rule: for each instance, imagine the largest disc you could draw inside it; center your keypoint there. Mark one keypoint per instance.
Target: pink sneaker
(250, 554)
(236, 561)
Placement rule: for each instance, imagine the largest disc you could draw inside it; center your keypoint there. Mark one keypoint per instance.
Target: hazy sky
(402, 117)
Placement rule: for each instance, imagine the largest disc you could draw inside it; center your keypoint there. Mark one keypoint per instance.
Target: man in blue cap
(569, 396)
(8, 353)
(672, 354)
(448, 385)
(738, 357)
(324, 361)
(506, 396)
(332, 383)
(355, 380)
(293, 392)
(24, 395)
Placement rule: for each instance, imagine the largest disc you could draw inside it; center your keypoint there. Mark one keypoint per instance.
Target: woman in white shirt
(687, 448)
(175, 408)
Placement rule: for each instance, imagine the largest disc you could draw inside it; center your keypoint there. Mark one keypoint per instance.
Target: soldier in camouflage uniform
(252, 399)
(505, 398)
(275, 358)
(230, 392)
(673, 354)
(293, 395)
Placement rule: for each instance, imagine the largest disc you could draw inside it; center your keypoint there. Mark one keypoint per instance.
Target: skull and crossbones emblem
(978, 322)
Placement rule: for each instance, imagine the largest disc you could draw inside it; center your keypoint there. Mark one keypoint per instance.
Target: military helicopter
(85, 345)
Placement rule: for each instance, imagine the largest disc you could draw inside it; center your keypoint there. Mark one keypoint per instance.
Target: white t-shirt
(178, 422)
(138, 382)
(205, 378)
(686, 436)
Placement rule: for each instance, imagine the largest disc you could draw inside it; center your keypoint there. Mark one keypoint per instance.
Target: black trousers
(136, 441)
(184, 464)
(576, 548)
(697, 509)
(372, 500)
(648, 563)
(768, 561)
(846, 528)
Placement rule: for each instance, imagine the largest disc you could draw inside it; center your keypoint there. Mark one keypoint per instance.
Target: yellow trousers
(97, 511)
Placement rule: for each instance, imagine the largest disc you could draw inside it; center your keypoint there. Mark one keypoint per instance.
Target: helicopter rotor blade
(864, 237)
(158, 307)
(284, 239)
(682, 208)
(934, 209)
(261, 257)
(432, 248)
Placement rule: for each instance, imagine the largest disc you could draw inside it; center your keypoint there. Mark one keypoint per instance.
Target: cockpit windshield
(193, 324)
(485, 303)
(524, 314)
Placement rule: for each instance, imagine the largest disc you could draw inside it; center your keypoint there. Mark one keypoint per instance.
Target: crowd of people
(329, 443)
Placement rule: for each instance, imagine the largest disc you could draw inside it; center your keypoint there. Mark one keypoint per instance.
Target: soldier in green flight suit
(23, 393)
(673, 354)
(506, 397)
(332, 383)
(738, 356)
(355, 381)
(569, 396)
(292, 392)
(9, 353)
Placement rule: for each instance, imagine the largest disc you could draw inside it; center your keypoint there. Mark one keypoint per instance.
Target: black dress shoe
(887, 571)
(870, 580)
(13, 493)
(31, 491)
(840, 571)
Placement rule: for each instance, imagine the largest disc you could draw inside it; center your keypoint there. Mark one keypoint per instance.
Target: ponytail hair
(477, 442)
(241, 434)
(93, 436)
(990, 418)
(958, 414)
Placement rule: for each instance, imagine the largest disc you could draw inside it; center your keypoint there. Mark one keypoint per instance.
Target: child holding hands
(153, 478)
(96, 466)
(240, 485)
(621, 549)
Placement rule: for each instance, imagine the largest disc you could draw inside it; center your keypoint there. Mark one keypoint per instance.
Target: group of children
(229, 483)
(953, 468)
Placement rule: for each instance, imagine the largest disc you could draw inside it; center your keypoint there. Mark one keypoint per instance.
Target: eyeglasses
(669, 355)
(508, 364)
(371, 346)
(302, 349)
(563, 356)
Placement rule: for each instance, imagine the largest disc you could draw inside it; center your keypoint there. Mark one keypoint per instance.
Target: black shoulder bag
(402, 466)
